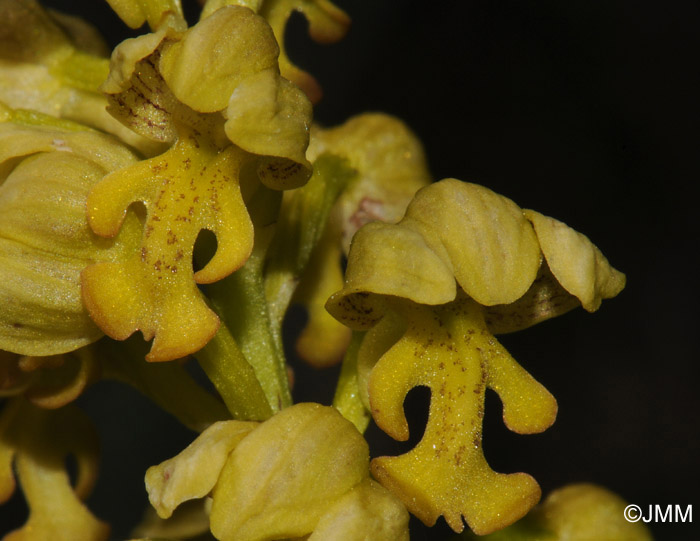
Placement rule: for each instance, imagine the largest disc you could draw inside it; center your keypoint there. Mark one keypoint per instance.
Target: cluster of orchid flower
(110, 172)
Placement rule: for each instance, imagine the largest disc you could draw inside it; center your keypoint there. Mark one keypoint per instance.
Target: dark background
(583, 110)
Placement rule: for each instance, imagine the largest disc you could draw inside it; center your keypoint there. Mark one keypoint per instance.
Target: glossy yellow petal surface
(489, 243)
(45, 175)
(284, 476)
(193, 186)
(450, 350)
(38, 441)
(368, 511)
(576, 262)
(194, 472)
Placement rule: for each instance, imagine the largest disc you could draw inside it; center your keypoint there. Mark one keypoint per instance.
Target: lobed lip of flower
(460, 234)
(214, 93)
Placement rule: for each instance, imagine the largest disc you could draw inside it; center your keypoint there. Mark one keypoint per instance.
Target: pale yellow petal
(192, 187)
(194, 472)
(368, 511)
(388, 259)
(492, 247)
(269, 116)
(44, 235)
(287, 473)
(327, 24)
(216, 55)
(578, 265)
(450, 350)
(40, 441)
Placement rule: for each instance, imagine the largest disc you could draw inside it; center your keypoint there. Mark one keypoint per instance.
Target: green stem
(347, 394)
(234, 378)
(240, 300)
(167, 384)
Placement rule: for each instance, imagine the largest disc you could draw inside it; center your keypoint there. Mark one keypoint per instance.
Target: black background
(581, 109)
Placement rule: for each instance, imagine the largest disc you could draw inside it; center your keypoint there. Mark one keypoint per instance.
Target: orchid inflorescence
(180, 189)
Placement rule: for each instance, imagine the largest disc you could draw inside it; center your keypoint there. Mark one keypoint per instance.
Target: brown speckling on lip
(176, 215)
(456, 367)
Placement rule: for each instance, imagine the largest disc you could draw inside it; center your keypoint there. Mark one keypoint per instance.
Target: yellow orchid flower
(47, 167)
(303, 471)
(36, 442)
(229, 120)
(425, 288)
